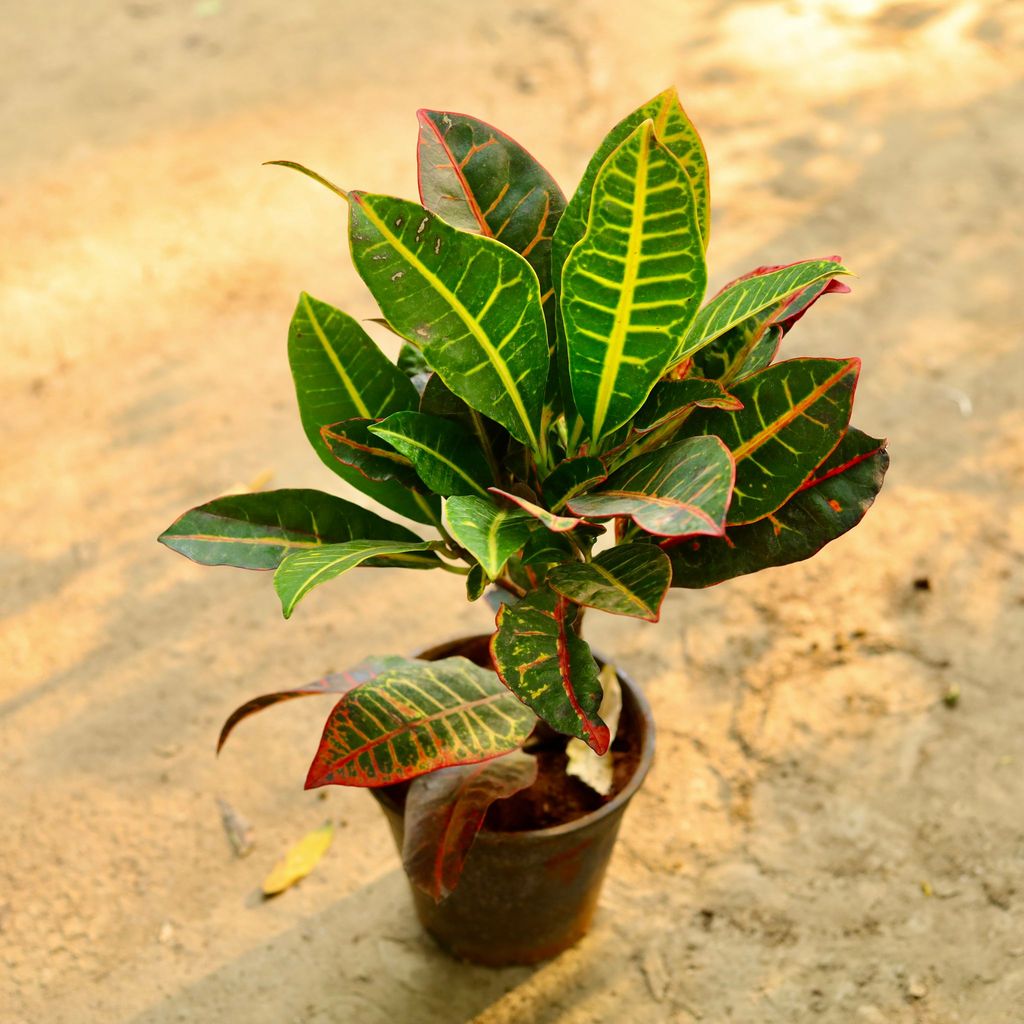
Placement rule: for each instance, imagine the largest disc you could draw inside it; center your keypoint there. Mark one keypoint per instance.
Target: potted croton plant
(569, 425)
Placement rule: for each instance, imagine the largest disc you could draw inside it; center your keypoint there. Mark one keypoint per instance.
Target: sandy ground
(821, 839)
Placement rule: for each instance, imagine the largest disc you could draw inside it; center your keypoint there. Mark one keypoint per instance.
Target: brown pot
(526, 896)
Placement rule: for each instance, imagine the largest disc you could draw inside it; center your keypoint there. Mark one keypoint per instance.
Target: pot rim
(619, 800)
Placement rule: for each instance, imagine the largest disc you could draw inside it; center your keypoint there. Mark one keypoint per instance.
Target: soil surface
(833, 830)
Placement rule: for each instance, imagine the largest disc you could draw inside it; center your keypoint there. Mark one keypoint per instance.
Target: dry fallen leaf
(299, 860)
(597, 771)
(237, 828)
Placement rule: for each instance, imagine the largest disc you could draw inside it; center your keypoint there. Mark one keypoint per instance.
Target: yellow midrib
(345, 379)
(472, 324)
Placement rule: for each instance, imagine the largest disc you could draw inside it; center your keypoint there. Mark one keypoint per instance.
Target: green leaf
(675, 131)
(415, 719)
(633, 283)
(681, 489)
(794, 413)
(469, 302)
(299, 573)
(543, 550)
(476, 582)
(560, 524)
(488, 533)
(444, 811)
(340, 374)
(257, 531)
(448, 460)
(670, 399)
(629, 579)
(549, 667)
(352, 444)
(749, 296)
(479, 179)
(832, 502)
(572, 477)
(744, 349)
(411, 361)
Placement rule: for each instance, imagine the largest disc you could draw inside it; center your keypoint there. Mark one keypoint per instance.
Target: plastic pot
(526, 896)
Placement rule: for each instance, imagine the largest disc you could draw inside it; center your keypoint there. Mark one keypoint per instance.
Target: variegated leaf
(548, 665)
(471, 303)
(832, 502)
(352, 444)
(560, 524)
(681, 489)
(417, 718)
(632, 285)
(629, 579)
(571, 477)
(257, 531)
(489, 533)
(299, 573)
(444, 811)
(670, 399)
(794, 413)
(479, 179)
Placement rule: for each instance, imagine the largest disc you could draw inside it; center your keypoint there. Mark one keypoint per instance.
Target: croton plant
(568, 423)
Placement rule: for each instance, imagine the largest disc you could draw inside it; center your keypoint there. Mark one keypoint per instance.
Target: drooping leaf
(794, 413)
(299, 573)
(560, 524)
(352, 444)
(675, 131)
(832, 502)
(489, 533)
(632, 285)
(447, 459)
(444, 811)
(341, 374)
(598, 770)
(299, 861)
(471, 303)
(671, 398)
(571, 477)
(335, 682)
(677, 490)
(629, 579)
(479, 179)
(748, 296)
(548, 665)
(257, 531)
(415, 719)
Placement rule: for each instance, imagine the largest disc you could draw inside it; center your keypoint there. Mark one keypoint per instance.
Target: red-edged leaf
(414, 718)
(683, 488)
(832, 502)
(352, 444)
(336, 682)
(444, 811)
(549, 667)
(557, 523)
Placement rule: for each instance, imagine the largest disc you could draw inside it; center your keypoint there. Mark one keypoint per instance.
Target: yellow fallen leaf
(299, 860)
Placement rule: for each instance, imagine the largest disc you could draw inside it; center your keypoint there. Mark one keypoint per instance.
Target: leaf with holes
(471, 303)
(298, 574)
(478, 179)
(748, 296)
(340, 374)
(415, 719)
(447, 459)
(672, 399)
(489, 533)
(629, 579)
(548, 665)
(335, 682)
(445, 810)
(794, 413)
(832, 502)
(674, 491)
(633, 283)
(257, 531)
(352, 444)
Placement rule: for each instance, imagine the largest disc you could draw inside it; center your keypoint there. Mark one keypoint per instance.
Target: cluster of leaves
(560, 374)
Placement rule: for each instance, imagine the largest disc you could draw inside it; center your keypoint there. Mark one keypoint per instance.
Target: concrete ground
(822, 838)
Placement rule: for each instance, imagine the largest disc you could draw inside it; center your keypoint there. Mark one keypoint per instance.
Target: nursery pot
(525, 896)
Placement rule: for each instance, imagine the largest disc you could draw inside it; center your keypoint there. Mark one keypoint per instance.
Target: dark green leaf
(476, 582)
(415, 719)
(572, 477)
(560, 524)
(488, 533)
(629, 579)
(257, 531)
(832, 502)
(549, 667)
(352, 444)
(672, 398)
